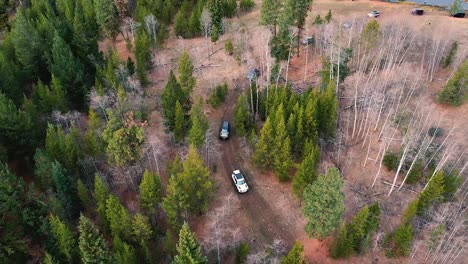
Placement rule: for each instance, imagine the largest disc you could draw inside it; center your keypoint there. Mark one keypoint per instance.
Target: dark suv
(224, 133)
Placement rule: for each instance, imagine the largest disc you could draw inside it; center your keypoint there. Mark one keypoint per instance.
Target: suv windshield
(241, 182)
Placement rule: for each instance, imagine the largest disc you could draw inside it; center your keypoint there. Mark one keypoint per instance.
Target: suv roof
(225, 125)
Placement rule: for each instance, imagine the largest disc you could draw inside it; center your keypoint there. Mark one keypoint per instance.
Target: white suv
(239, 181)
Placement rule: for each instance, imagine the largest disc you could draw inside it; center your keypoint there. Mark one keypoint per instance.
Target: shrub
(228, 47)
(241, 253)
(435, 132)
(318, 20)
(390, 160)
(218, 95)
(246, 5)
(399, 242)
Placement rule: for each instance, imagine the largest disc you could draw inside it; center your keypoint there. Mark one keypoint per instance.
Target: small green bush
(228, 47)
(242, 252)
(435, 132)
(390, 160)
(218, 96)
(246, 5)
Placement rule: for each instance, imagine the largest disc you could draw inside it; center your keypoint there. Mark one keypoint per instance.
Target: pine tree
(179, 126)
(48, 259)
(433, 192)
(370, 35)
(242, 117)
(27, 44)
(67, 69)
(194, 23)
(324, 204)
(142, 55)
(189, 190)
(171, 94)
(118, 217)
(282, 159)
(307, 172)
(63, 235)
(65, 188)
(186, 80)
(342, 246)
(141, 230)
(42, 169)
(150, 192)
(357, 228)
(400, 241)
(328, 105)
(93, 247)
(124, 253)
(188, 248)
(270, 13)
(199, 125)
(83, 195)
(106, 17)
(263, 155)
(124, 144)
(101, 193)
(295, 255)
(456, 90)
(328, 17)
(181, 24)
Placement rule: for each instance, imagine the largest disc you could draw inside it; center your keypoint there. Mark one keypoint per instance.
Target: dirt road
(264, 220)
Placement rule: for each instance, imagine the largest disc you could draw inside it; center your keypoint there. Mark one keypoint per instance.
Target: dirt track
(262, 216)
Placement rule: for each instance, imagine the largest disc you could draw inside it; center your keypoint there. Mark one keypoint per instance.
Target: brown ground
(269, 211)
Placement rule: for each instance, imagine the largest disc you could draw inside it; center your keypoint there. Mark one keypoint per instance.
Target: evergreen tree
(188, 248)
(186, 80)
(295, 255)
(106, 17)
(270, 13)
(455, 92)
(199, 125)
(328, 17)
(141, 230)
(433, 192)
(324, 204)
(181, 24)
(150, 192)
(282, 159)
(27, 44)
(124, 144)
(243, 120)
(194, 23)
(118, 217)
(263, 155)
(63, 235)
(357, 228)
(307, 172)
(83, 195)
(328, 105)
(101, 193)
(189, 190)
(124, 253)
(399, 242)
(12, 232)
(65, 188)
(48, 259)
(93, 247)
(142, 55)
(370, 35)
(179, 126)
(42, 169)
(171, 94)
(67, 69)
(342, 246)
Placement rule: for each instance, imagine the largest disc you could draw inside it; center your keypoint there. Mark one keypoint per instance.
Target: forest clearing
(351, 135)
